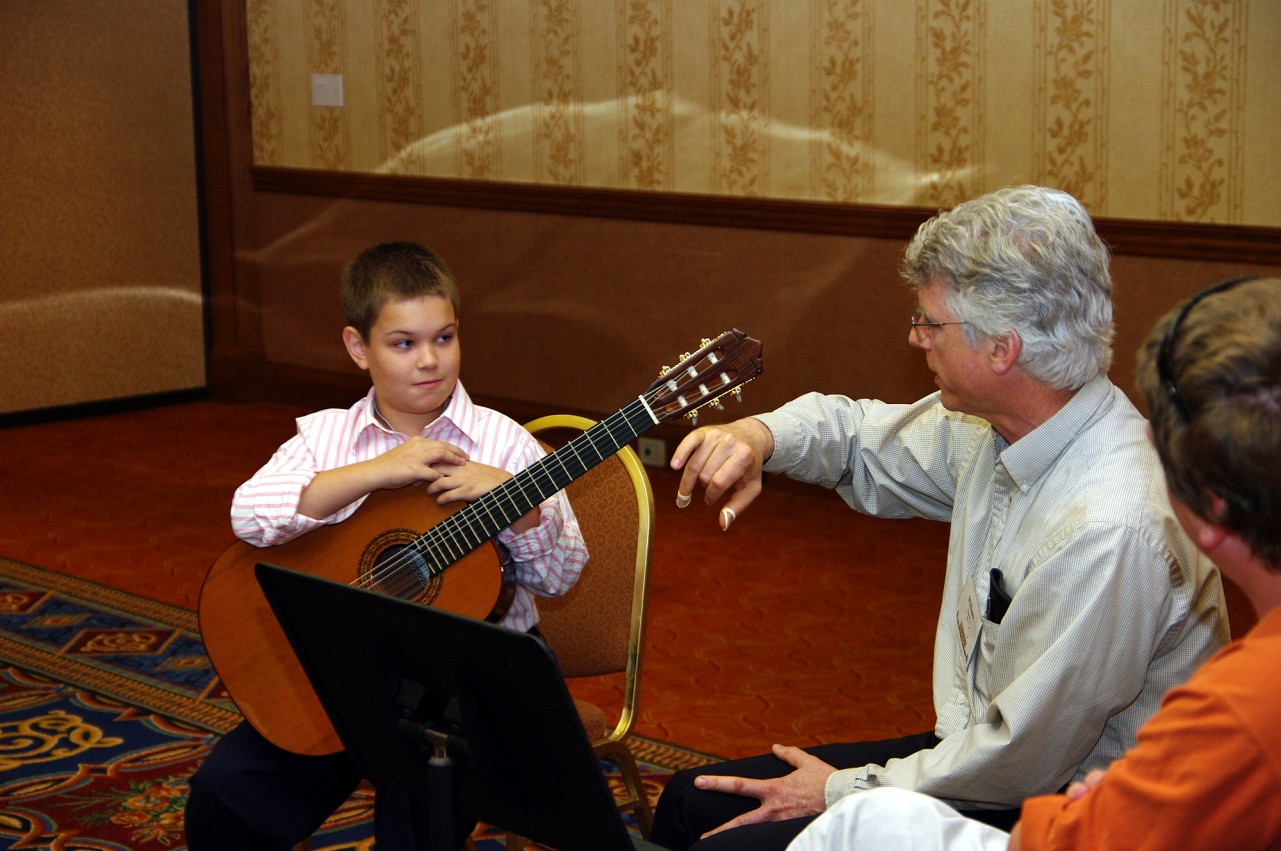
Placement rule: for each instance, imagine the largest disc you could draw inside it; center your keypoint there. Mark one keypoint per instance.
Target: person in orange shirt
(1205, 771)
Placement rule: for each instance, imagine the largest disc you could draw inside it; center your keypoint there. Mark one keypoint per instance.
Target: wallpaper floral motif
(1203, 121)
(1154, 109)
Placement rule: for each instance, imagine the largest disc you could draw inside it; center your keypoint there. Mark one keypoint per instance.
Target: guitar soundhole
(391, 565)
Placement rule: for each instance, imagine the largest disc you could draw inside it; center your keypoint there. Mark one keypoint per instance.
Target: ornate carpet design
(107, 705)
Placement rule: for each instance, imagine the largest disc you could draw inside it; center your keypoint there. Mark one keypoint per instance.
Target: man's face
(961, 372)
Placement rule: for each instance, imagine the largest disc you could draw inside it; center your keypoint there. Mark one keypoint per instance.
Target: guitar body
(249, 650)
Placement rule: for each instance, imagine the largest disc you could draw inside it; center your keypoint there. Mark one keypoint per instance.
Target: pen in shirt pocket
(998, 602)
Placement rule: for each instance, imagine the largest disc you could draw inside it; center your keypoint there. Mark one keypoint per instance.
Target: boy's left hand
(465, 482)
(471, 480)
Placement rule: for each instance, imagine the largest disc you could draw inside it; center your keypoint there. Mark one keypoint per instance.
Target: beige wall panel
(692, 102)
(1136, 106)
(365, 90)
(1262, 166)
(291, 75)
(646, 122)
(100, 255)
(263, 37)
(896, 89)
(790, 57)
(510, 52)
(439, 87)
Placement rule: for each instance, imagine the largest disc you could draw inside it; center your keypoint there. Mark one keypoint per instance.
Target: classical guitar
(447, 566)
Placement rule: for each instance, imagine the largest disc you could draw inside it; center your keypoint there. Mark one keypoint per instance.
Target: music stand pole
(441, 804)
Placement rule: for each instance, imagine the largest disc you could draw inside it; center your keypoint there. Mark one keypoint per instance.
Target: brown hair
(1210, 373)
(392, 271)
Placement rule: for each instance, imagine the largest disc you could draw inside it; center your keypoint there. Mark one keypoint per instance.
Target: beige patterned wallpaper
(1149, 109)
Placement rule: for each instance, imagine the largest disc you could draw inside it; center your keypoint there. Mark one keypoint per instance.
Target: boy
(416, 426)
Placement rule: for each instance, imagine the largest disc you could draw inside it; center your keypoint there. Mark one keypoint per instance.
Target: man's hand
(724, 458)
(794, 796)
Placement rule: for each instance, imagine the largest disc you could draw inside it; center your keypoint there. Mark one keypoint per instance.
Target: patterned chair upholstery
(598, 627)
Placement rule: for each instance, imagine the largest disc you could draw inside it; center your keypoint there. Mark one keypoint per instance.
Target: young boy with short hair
(416, 426)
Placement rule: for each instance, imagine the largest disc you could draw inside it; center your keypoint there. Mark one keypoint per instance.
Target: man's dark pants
(685, 813)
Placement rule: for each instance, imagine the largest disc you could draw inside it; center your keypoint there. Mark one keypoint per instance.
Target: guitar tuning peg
(716, 403)
(663, 371)
(737, 393)
(693, 418)
(707, 341)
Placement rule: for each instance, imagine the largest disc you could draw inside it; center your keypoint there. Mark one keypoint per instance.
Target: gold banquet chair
(598, 627)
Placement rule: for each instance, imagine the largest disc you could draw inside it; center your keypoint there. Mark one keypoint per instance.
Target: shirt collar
(459, 410)
(1027, 459)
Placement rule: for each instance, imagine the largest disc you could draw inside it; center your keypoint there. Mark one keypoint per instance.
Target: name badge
(969, 619)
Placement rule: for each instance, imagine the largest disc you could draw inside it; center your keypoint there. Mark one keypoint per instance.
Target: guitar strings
(397, 575)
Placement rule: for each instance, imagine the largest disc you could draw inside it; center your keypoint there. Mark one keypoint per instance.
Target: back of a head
(1210, 373)
(1025, 258)
(392, 271)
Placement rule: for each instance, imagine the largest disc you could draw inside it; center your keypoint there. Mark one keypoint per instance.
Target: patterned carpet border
(149, 654)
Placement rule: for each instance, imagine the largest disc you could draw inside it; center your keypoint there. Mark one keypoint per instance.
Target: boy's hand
(472, 480)
(1080, 788)
(465, 482)
(417, 460)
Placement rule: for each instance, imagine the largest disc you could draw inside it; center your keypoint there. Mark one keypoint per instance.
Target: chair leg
(638, 799)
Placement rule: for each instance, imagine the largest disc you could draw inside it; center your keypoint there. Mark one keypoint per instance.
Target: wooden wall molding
(1129, 237)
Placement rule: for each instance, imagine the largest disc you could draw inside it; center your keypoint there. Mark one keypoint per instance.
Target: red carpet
(108, 704)
(805, 623)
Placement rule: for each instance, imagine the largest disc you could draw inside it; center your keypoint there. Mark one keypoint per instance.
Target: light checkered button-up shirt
(1112, 604)
(547, 559)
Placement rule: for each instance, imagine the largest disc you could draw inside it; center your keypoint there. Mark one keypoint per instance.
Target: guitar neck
(720, 366)
(482, 520)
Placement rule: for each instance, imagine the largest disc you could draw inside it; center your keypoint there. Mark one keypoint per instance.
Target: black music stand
(474, 717)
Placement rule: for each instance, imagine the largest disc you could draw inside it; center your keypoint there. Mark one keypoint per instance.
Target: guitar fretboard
(482, 520)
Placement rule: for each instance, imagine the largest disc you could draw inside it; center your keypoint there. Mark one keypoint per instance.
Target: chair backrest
(599, 626)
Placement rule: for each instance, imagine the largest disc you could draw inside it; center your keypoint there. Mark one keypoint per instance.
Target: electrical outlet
(652, 451)
(326, 89)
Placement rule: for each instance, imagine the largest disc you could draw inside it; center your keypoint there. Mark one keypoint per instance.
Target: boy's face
(413, 357)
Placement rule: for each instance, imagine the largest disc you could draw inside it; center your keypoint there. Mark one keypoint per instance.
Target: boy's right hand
(411, 462)
(414, 461)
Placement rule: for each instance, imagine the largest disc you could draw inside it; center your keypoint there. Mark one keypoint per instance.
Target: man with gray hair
(1071, 600)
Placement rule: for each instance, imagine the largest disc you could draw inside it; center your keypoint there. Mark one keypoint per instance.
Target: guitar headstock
(721, 366)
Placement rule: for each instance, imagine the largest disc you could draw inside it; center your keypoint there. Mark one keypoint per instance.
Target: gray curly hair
(1027, 259)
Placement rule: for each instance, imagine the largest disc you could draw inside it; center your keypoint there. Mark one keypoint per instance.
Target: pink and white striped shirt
(547, 559)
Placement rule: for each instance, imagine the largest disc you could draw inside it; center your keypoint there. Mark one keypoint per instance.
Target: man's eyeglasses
(919, 321)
